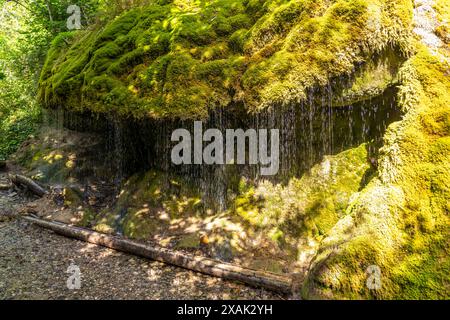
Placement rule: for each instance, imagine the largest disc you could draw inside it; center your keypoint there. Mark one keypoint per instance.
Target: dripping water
(309, 131)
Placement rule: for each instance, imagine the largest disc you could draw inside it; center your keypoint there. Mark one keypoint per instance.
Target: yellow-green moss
(443, 30)
(179, 58)
(139, 223)
(400, 222)
(372, 79)
(153, 203)
(308, 206)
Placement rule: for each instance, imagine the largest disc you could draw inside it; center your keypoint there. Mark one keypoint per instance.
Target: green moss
(309, 206)
(144, 198)
(372, 79)
(318, 46)
(72, 197)
(400, 221)
(44, 163)
(238, 40)
(189, 241)
(178, 59)
(88, 216)
(103, 228)
(139, 224)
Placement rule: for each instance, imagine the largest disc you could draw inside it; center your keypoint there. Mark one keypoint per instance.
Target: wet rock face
(308, 132)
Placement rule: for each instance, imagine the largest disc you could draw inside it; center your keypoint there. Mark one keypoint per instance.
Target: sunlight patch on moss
(183, 58)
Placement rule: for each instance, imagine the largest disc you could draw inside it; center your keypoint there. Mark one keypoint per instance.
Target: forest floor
(34, 264)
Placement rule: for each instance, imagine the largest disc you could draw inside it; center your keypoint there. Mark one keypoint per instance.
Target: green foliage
(26, 29)
(16, 127)
(18, 110)
(180, 58)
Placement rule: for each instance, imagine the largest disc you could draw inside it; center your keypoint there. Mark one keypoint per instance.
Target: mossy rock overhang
(179, 59)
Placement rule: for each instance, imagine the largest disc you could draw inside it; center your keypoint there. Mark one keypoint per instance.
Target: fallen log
(4, 187)
(271, 281)
(30, 184)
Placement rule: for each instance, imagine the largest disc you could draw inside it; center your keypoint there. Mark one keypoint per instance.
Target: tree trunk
(30, 184)
(211, 267)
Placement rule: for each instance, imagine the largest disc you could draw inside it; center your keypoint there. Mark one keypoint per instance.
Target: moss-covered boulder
(400, 221)
(180, 58)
